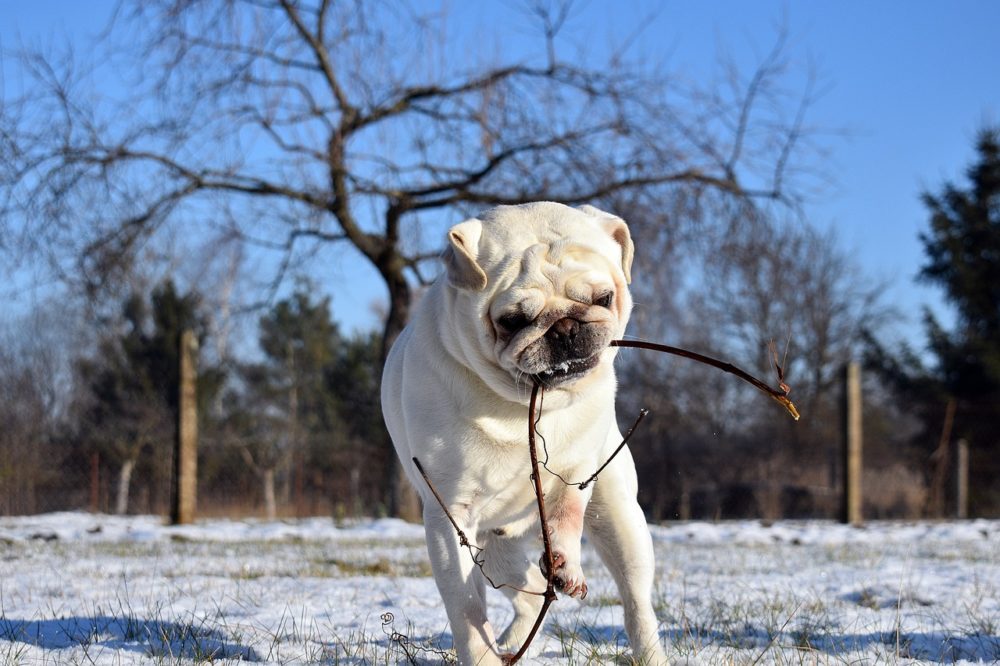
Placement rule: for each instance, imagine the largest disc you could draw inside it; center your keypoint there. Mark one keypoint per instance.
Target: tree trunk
(185, 473)
(124, 481)
(940, 461)
(403, 500)
(400, 297)
(356, 503)
(95, 482)
(270, 505)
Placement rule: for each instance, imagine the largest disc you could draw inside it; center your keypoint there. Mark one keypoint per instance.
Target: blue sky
(910, 81)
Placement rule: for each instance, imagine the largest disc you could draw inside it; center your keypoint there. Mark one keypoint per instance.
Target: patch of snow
(80, 526)
(110, 590)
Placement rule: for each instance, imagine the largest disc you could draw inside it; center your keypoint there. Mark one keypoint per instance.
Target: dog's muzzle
(573, 350)
(566, 371)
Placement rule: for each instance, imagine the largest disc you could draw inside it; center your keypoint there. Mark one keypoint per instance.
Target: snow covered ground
(77, 588)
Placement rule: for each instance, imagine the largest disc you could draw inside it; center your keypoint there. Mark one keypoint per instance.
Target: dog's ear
(618, 230)
(460, 256)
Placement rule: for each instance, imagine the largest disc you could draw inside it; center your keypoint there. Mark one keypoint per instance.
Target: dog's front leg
(462, 588)
(565, 521)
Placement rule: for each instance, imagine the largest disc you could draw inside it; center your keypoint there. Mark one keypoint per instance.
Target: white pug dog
(532, 293)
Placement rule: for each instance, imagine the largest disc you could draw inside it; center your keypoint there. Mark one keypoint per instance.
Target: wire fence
(345, 478)
(55, 476)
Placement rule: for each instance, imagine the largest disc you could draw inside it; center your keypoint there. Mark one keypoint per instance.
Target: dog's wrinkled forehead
(552, 263)
(543, 270)
(510, 241)
(537, 241)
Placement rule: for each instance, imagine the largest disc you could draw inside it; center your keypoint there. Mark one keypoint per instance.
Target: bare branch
(471, 178)
(778, 395)
(321, 54)
(403, 100)
(552, 23)
(766, 69)
(598, 192)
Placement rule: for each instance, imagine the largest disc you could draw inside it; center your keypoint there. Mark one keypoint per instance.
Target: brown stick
(780, 396)
(940, 459)
(550, 588)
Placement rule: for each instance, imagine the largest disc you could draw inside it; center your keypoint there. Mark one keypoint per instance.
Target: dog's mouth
(566, 371)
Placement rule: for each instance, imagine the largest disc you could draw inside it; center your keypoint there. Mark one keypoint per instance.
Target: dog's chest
(511, 507)
(497, 489)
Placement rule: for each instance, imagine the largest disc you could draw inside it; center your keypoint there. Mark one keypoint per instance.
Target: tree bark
(403, 501)
(940, 461)
(400, 302)
(270, 504)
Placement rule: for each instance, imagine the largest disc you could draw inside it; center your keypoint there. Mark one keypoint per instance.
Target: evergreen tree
(959, 395)
(285, 418)
(355, 379)
(127, 392)
(963, 258)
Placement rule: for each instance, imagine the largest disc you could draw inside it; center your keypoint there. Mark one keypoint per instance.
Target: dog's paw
(568, 577)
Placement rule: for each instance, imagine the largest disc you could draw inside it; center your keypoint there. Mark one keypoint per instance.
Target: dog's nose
(564, 330)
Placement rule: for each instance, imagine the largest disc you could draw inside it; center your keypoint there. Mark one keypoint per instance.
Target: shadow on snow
(938, 647)
(152, 637)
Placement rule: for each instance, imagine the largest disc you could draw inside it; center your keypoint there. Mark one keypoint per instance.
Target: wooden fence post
(852, 435)
(186, 442)
(962, 479)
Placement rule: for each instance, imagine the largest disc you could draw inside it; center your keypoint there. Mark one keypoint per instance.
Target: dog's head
(543, 290)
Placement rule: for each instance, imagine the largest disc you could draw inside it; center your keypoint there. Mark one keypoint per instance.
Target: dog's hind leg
(507, 562)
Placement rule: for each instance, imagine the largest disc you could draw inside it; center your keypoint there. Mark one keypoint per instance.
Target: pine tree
(957, 396)
(306, 417)
(127, 392)
(963, 257)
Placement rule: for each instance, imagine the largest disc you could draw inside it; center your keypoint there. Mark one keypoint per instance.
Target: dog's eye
(513, 321)
(604, 300)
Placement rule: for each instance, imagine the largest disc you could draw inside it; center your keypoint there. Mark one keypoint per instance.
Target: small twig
(582, 485)
(406, 644)
(628, 435)
(550, 589)
(777, 366)
(462, 539)
(779, 395)
(474, 550)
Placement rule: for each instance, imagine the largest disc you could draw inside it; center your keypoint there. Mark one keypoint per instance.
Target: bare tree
(795, 287)
(26, 400)
(730, 293)
(35, 381)
(291, 126)
(265, 465)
